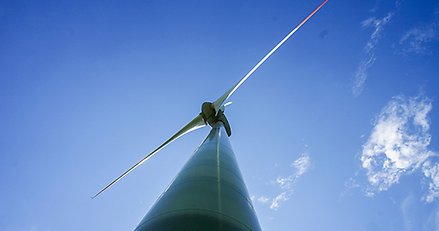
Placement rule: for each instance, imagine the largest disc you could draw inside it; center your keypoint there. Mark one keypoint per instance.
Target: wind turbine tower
(209, 192)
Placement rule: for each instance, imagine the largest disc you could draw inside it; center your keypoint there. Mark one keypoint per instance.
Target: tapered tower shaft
(207, 194)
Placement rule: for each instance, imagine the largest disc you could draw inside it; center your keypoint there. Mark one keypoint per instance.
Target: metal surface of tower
(207, 194)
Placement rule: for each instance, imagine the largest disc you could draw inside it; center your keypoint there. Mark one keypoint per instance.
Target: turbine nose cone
(206, 107)
(208, 113)
(211, 117)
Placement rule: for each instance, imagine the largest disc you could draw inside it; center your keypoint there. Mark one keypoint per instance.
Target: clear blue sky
(338, 130)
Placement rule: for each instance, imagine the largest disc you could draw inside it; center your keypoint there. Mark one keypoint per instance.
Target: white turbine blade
(227, 104)
(217, 104)
(223, 107)
(196, 123)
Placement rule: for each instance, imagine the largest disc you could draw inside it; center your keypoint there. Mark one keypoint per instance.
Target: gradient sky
(336, 131)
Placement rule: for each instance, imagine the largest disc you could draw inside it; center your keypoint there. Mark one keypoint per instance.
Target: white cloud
(417, 40)
(350, 184)
(286, 184)
(263, 199)
(431, 171)
(302, 164)
(282, 197)
(369, 51)
(398, 145)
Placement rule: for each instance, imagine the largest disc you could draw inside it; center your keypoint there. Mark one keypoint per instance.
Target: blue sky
(336, 131)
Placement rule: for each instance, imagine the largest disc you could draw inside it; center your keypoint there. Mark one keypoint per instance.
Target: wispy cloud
(406, 209)
(414, 218)
(369, 51)
(302, 164)
(431, 171)
(279, 199)
(286, 183)
(263, 199)
(417, 40)
(398, 145)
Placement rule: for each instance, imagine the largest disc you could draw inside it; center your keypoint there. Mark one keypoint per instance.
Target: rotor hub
(211, 116)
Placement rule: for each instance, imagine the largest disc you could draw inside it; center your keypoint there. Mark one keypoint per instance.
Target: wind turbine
(208, 193)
